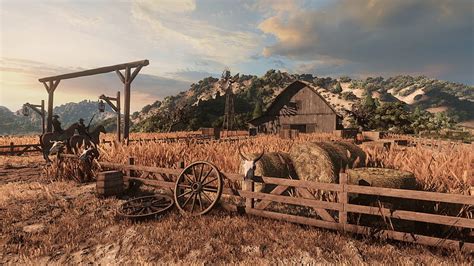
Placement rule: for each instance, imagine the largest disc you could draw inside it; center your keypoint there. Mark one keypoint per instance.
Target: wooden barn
(299, 106)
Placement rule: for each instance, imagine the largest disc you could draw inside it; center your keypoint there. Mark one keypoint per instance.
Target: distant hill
(14, 123)
(202, 105)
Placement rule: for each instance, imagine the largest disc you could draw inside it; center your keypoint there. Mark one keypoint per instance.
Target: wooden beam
(49, 123)
(135, 73)
(411, 194)
(126, 105)
(120, 75)
(276, 191)
(96, 71)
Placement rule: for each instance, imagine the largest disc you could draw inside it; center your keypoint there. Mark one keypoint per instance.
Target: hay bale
(272, 164)
(382, 177)
(387, 178)
(355, 154)
(318, 161)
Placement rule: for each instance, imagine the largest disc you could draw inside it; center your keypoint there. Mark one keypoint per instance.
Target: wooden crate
(373, 135)
(348, 133)
(109, 183)
(213, 132)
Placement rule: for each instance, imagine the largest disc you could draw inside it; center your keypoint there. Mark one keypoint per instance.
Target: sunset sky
(188, 40)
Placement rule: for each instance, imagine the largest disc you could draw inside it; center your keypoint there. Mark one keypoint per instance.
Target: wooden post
(119, 127)
(248, 186)
(12, 148)
(126, 113)
(42, 116)
(342, 198)
(49, 124)
(53, 84)
(131, 161)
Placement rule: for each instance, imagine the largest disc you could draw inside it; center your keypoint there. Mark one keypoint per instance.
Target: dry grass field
(47, 217)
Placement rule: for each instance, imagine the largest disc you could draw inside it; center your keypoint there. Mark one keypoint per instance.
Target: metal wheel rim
(147, 206)
(192, 190)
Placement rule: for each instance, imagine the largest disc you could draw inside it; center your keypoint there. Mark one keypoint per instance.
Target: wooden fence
(13, 149)
(258, 203)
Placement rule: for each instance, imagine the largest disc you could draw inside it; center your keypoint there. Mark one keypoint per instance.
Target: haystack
(319, 161)
(381, 177)
(356, 155)
(272, 164)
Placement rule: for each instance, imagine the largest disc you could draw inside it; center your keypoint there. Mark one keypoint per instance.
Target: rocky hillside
(203, 104)
(12, 123)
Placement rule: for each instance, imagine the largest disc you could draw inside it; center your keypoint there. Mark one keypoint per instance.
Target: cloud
(192, 75)
(178, 31)
(379, 35)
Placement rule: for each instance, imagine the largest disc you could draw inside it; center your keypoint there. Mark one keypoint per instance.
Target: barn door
(300, 127)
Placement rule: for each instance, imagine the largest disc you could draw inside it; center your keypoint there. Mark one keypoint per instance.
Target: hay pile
(272, 164)
(322, 161)
(381, 177)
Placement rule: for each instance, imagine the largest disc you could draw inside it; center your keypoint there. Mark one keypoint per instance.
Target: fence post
(131, 161)
(12, 148)
(248, 186)
(342, 198)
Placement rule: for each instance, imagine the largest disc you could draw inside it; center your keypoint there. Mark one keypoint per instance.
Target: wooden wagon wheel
(198, 188)
(145, 207)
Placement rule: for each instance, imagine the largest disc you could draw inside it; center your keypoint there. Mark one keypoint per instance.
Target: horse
(92, 139)
(47, 139)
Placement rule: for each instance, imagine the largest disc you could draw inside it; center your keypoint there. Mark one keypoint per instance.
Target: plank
(321, 212)
(363, 230)
(411, 194)
(276, 191)
(96, 71)
(412, 216)
(290, 200)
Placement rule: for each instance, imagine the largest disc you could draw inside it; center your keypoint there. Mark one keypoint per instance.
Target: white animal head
(249, 165)
(89, 153)
(58, 146)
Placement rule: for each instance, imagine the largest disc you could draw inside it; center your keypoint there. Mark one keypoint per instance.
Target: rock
(34, 228)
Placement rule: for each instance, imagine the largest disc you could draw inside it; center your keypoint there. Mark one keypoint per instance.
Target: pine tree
(257, 111)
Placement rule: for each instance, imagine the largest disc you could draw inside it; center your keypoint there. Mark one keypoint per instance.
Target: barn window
(299, 105)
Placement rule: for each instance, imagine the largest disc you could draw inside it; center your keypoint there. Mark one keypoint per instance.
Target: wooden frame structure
(39, 109)
(116, 108)
(257, 203)
(51, 83)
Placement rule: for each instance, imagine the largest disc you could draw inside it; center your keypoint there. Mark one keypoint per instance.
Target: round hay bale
(318, 161)
(272, 164)
(355, 154)
(382, 177)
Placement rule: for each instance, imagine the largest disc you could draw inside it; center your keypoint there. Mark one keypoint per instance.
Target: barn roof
(278, 103)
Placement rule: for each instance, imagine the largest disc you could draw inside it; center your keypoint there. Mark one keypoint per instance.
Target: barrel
(109, 183)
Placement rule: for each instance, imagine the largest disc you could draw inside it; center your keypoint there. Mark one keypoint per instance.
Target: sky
(187, 40)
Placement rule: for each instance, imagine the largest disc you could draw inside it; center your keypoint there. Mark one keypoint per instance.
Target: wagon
(197, 190)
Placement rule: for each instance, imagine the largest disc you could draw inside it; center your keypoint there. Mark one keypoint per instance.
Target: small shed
(299, 106)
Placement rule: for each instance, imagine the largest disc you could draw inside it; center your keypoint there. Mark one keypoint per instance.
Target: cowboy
(82, 129)
(57, 125)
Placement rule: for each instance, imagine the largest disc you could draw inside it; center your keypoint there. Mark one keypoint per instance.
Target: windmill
(229, 112)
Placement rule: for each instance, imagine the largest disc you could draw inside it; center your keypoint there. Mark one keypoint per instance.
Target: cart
(197, 190)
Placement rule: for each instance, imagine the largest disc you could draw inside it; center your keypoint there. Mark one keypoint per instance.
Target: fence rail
(257, 203)
(13, 149)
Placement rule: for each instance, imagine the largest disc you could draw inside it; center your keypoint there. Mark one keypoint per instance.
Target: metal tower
(229, 112)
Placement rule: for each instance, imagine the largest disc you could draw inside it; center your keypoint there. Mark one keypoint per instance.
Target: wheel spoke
(200, 173)
(194, 173)
(210, 189)
(200, 201)
(194, 202)
(205, 177)
(205, 194)
(190, 181)
(205, 184)
(186, 202)
(185, 193)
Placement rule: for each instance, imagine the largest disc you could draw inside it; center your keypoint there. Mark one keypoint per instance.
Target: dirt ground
(43, 222)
